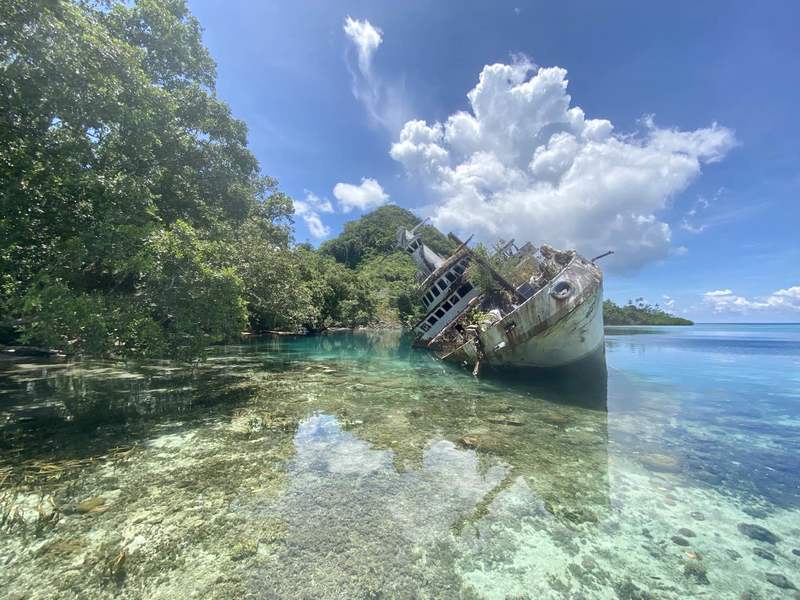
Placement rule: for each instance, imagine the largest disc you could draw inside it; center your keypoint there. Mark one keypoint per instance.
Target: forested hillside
(368, 246)
(639, 313)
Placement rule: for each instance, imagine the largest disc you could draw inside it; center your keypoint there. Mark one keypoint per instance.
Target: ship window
(459, 269)
(465, 289)
(432, 320)
(447, 306)
(425, 327)
(442, 285)
(450, 277)
(439, 313)
(454, 298)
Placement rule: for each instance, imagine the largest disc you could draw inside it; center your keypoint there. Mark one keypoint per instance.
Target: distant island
(639, 313)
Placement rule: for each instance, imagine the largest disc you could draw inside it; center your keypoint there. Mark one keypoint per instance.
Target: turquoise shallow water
(351, 466)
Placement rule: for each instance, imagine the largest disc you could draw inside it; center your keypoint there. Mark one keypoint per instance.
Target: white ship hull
(547, 330)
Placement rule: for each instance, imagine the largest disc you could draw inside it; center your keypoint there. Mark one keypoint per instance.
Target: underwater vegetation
(349, 465)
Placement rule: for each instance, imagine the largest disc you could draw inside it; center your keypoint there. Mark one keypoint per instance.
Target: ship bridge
(444, 290)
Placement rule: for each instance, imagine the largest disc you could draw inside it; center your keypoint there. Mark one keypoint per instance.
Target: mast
(427, 260)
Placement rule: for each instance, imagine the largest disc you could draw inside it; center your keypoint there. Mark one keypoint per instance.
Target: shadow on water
(583, 384)
(73, 412)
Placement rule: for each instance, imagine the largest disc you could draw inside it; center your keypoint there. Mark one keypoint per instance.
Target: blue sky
(705, 214)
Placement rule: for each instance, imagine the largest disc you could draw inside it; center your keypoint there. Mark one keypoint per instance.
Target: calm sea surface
(351, 466)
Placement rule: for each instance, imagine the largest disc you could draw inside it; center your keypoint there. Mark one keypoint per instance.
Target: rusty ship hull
(560, 325)
(546, 311)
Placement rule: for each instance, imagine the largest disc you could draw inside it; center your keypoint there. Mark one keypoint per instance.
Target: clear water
(351, 466)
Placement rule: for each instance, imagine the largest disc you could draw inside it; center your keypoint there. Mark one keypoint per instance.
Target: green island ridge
(639, 313)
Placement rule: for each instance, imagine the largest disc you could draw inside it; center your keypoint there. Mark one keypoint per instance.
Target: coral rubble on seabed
(338, 478)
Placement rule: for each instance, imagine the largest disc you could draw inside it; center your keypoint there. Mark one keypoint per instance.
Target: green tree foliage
(122, 180)
(390, 279)
(481, 277)
(639, 313)
(339, 295)
(369, 246)
(375, 234)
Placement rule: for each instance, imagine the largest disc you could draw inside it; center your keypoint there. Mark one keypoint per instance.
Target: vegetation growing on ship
(639, 313)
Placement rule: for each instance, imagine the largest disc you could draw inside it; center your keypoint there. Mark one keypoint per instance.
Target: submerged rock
(755, 512)
(554, 419)
(757, 532)
(469, 441)
(483, 442)
(761, 553)
(676, 539)
(504, 421)
(685, 532)
(780, 581)
(95, 504)
(627, 590)
(696, 570)
(733, 554)
(660, 462)
(243, 549)
(580, 515)
(796, 551)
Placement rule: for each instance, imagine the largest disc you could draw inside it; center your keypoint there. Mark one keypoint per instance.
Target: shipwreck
(539, 308)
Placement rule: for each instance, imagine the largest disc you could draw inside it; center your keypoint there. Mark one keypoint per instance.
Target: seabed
(350, 466)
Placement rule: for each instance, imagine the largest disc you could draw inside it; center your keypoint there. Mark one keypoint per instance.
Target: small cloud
(366, 39)
(700, 206)
(725, 301)
(686, 226)
(369, 194)
(517, 10)
(385, 101)
(669, 303)
(320, 204)
(309, 208)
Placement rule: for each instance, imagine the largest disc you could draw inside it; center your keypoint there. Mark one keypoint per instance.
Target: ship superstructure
(548, 314)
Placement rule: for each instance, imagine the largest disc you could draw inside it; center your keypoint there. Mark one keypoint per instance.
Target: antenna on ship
(420, 224)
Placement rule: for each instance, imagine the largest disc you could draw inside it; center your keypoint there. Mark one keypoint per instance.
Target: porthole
(562, 290)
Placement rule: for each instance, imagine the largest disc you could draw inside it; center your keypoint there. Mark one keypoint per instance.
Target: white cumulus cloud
(368, 194)
(385, 101)
(725, 301)
(524, 163)
(309, 208)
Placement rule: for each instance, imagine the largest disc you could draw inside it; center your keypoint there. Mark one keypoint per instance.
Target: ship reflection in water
(442, 475)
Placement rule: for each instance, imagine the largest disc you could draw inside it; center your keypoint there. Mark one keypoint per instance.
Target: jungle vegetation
(639, 312)
(135, 221)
